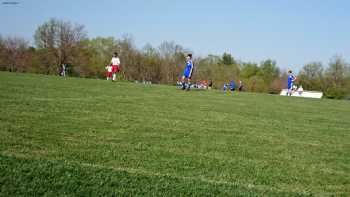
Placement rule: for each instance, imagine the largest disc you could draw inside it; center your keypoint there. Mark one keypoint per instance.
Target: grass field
(70, 136)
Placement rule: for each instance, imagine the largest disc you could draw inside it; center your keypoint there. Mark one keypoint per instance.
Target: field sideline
(87, 137)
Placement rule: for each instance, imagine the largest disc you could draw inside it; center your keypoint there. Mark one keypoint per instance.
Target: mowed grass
(70, 136)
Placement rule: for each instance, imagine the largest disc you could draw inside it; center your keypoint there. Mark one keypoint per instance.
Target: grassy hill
(70, 136)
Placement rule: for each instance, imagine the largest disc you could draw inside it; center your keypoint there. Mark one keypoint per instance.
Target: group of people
(232, 86)
(113, 68)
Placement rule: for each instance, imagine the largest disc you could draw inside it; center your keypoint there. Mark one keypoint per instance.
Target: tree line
(60, 42)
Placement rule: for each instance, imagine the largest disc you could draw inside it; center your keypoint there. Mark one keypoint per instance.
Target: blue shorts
(290, 86)
(188, 72)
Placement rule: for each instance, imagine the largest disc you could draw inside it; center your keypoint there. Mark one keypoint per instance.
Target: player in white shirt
(115, 65)
(300, 90)
(109, 72)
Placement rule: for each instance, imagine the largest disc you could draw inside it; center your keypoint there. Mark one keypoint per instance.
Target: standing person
(109, 72)
(63, 73)
(225, 87)
(232, 86)
(115, 65)
(291, 79)
(187, 73)
(240, 86)
(210, 85)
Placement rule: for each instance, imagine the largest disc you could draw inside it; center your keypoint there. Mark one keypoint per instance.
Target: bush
(335, 93)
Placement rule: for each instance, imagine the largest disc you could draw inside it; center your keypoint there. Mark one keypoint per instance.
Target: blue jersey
(232, 85)
(188, 69)
(291, 79)
(189, 64)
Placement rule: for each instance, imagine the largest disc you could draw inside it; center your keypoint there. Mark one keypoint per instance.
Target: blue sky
(292, 32)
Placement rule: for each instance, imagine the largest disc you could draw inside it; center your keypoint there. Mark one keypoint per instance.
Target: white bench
(306, 94)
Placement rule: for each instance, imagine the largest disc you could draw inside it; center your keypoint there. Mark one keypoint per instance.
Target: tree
(256, 84)
(130, 58)
(2, 55)
(13, 53)
(59, 40)
(205, 67)
(337, 70)
(336, 78)
(172, 56)
(102, 49)
(248, 70)
(227, 59)
(212, 59)
(151, 64)
(94, 54)
(311, 76)
(268, 71)
(347, 86)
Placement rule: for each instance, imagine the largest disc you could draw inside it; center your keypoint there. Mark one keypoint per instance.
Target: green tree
(248, 70)
(311, 76)
(96, 53)
(227, 59)
(268, 71)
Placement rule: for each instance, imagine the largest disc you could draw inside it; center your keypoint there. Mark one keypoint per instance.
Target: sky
(292, 32)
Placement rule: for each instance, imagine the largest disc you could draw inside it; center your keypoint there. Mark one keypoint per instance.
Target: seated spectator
(300, 90)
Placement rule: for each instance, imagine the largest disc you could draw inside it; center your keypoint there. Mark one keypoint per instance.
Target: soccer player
(232, 86)
(187, 73)
(115, 65)
(240, 86)
(63, 73)
(225, 87)
(291, 79)
(109, 72)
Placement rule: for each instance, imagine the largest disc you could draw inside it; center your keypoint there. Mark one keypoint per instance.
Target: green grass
(92, 137)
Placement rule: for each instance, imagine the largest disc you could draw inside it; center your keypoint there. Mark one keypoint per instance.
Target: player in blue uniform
(232, 86)
(187, 73)
(291, 79)
(225, 87)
